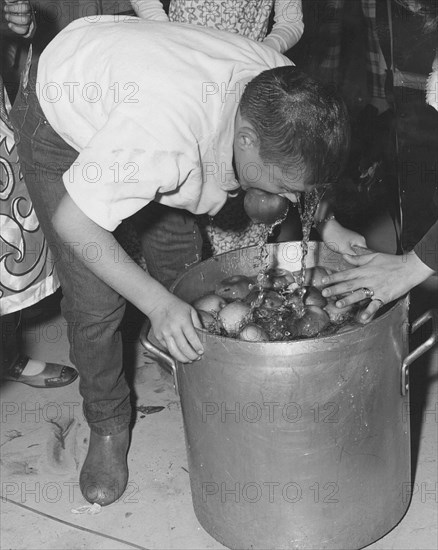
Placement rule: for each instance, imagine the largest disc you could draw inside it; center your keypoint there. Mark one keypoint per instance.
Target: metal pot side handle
(422, 348)
(157, 352)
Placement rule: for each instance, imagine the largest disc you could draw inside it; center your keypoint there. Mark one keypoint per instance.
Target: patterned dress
(26, 267)
(250, 18)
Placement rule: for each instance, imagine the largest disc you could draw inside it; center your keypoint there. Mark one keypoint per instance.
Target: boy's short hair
(298, 120)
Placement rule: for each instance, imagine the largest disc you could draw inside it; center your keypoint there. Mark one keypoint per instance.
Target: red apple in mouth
(264, 207)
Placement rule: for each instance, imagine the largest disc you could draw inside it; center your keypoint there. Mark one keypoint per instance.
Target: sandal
(53, 375)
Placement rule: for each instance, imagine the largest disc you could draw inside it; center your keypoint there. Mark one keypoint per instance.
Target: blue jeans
(92, 309)
(170, 240)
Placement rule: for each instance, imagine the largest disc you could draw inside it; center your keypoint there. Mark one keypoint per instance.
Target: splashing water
(262, 261)
(307, 214)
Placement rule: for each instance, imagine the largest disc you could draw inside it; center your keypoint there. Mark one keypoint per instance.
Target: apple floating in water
(313, 297)
(312, 276)
(272, 300)
(276, 279)
(280, 278)
(209, 302)
(312, 322)
(233, 316)
(236, 287)
(264, 207)
(253, 333)
(295, 303)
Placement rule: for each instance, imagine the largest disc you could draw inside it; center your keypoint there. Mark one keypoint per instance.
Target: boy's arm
(172, 319)
(288, 27)
(149, 9)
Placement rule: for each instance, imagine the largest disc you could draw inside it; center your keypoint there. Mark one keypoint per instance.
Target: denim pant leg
(93, 310)
(171, 241)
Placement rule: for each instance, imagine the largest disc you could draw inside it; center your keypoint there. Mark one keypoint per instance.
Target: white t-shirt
(150, 108)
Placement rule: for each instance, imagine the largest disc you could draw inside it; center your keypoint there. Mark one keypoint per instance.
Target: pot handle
(422, 348)
(157, 352)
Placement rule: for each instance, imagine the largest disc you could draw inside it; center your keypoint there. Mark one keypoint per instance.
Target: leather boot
(104, 474)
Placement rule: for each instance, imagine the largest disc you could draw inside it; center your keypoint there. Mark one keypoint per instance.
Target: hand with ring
(368, 292)
(378, 276)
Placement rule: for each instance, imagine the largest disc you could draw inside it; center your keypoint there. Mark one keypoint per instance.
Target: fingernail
(340, 304)
(364, 316)
(326, 292)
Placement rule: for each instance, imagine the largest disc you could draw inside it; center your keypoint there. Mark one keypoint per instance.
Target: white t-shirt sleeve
(149, 9)
(122, 169)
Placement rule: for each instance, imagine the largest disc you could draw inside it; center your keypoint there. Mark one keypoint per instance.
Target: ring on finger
(368, 292)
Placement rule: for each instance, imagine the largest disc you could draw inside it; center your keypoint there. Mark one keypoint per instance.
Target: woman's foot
(39, 374)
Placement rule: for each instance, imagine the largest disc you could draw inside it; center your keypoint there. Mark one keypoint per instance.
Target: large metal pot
(299, 444)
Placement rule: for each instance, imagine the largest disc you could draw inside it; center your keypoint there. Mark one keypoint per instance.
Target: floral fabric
(248, 18)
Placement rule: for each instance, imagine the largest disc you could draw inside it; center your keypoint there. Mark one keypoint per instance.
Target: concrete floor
(44, 441)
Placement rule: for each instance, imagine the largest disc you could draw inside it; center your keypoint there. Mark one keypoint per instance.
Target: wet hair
(298, 121)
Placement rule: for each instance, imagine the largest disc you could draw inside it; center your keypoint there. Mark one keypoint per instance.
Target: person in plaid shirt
(376, 65)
